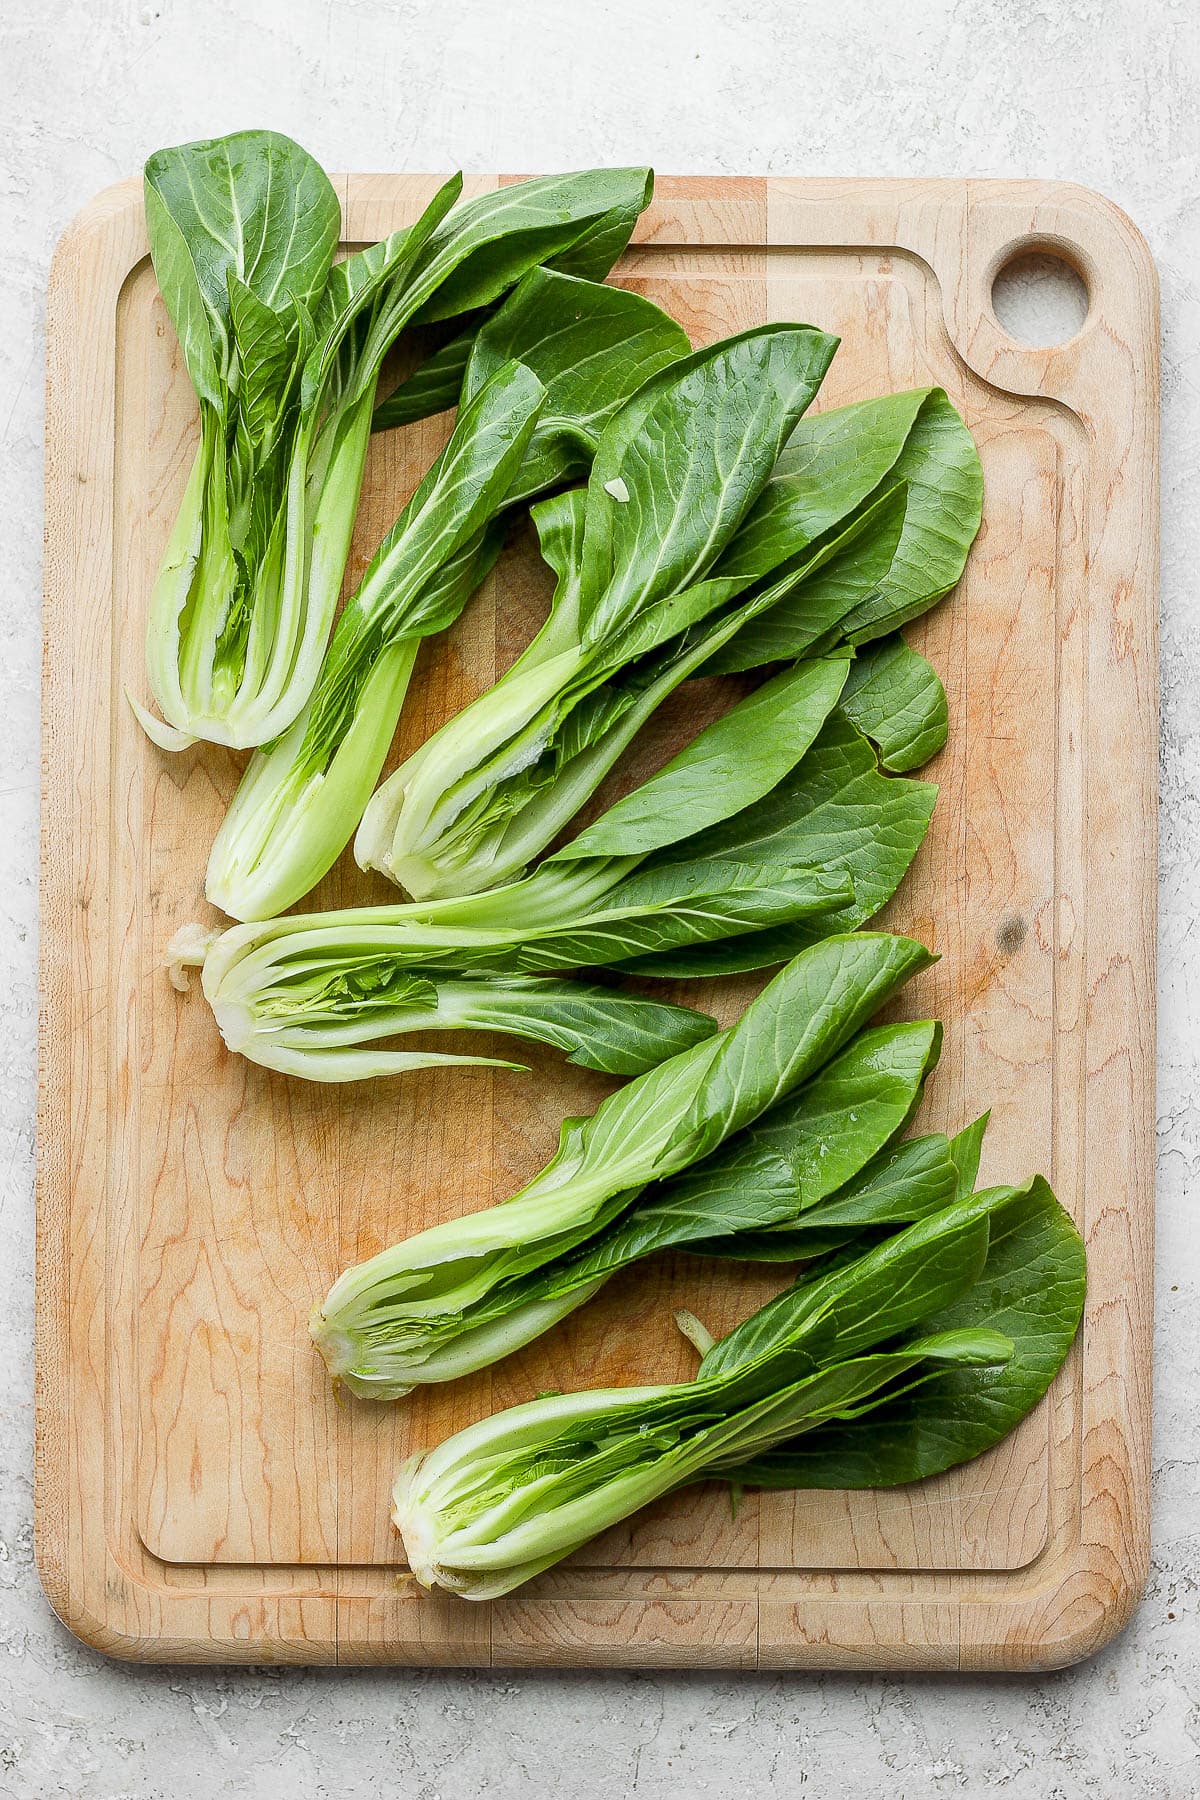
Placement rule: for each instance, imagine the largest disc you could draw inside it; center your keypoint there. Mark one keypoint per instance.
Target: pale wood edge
(113, 213)
(1119, 342)
(634, 1632)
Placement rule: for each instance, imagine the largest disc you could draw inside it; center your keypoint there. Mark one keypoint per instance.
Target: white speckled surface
(1105, 92)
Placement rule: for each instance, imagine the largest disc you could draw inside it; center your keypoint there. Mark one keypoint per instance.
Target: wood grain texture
(200, 1495)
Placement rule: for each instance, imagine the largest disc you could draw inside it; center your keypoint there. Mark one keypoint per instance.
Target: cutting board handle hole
(1039, 298)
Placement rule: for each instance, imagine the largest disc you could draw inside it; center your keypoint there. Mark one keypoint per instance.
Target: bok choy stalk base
(284, 349)
(405, 1316)
(933, 1327)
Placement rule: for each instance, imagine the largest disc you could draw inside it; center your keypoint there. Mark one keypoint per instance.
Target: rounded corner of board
(1104, 222)
(1088, 1630)
(94, 1631)
(115, 205)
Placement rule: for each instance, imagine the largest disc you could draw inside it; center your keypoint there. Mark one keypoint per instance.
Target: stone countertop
(1105, 92)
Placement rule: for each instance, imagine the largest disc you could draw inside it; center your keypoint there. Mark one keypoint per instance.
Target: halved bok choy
(863, 521)
(925, 1350)
(330, 1032)
(422, 1309)
(555, 361)
(284, 349)
(673, 476)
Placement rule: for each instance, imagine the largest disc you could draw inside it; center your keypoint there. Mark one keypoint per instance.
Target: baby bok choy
(825, 1151)
(544, 373)
(292, 993)
(284, 351)
(817, 1157)
(865, 520)
(927, 1348)
(405, 1316)
(325, 1027)
(314, 995)
(673, 476)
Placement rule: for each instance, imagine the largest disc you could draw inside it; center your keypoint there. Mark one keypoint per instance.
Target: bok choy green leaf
(897, 700)
(1031, 1289)
(589, 254)
(900, 1185)
(836, 466)
(834, 811)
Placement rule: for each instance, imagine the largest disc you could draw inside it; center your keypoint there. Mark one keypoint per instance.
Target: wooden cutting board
(200, 1493)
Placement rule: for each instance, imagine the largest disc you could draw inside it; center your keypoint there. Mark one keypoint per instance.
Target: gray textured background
(1093, 90)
